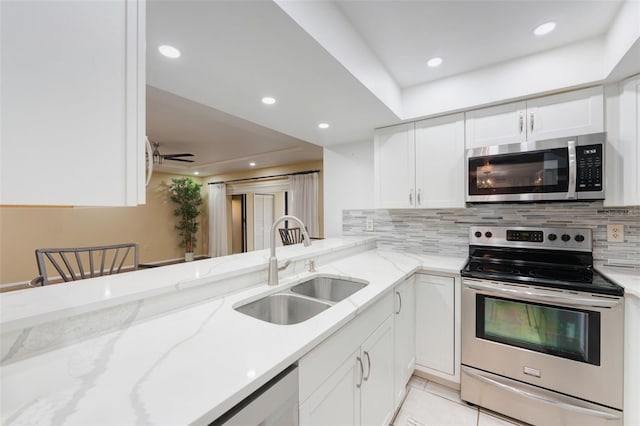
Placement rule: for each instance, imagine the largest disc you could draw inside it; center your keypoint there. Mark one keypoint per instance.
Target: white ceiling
(468, 35)
(236, 52)
(220, 142)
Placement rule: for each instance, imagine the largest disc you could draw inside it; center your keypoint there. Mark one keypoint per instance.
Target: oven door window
(564, 332)
(527, 172)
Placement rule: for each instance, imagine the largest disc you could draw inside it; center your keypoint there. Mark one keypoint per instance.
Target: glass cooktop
(544, 269)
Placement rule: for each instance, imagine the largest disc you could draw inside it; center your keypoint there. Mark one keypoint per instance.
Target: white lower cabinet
(348, 379)
(404, 337)
(438, 326)
(376, 387)
(336, 401)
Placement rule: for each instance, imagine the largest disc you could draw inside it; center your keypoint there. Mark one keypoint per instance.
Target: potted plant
(185, 192)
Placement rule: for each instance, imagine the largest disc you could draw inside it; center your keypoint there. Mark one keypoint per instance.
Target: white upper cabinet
(420, 165)
(440, 162)
(622, 155)
(496, 125)
(395, 166)
(566, 114)
(73, 103)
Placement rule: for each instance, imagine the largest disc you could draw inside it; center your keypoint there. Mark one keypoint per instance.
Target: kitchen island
(166, 346)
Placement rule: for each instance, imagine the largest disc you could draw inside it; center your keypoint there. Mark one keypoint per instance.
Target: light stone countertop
(627, 278)
(24, 308)
(186, 365)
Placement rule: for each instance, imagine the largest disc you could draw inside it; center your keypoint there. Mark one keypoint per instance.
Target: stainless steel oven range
(542, 331)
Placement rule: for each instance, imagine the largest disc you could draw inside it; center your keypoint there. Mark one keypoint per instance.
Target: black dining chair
(290, 236)
(72, 264)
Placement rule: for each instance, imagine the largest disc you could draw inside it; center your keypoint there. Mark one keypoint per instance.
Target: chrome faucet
(273, 262)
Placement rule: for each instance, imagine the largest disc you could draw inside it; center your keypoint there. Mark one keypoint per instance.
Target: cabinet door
(567, 114)
(73, 82)
(404, 336)
(496, 125)
(435, 323)
(394, 153)
(623, 155)
(440, 162)
(337, 400)
(376, 393)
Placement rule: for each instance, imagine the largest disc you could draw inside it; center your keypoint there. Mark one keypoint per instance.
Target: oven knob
(488, 234)
(478, 234)
(579, 238)
(565, 237)
(552, 237)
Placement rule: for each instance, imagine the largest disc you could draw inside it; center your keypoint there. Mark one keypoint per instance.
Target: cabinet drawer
(316, 366)
(434, 279)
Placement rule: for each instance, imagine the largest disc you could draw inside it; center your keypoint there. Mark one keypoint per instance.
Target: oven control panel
(527, 236)
(575, 239)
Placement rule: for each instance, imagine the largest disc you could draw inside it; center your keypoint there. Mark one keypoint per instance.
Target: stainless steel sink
(326, 288)
(283, 308)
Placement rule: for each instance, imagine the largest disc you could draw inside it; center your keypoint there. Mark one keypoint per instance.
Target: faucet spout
(273, 261)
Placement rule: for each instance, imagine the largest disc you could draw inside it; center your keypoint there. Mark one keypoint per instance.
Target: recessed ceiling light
(252, 164)
(169, 51)
(268, 100)
(196, 173)
(434, 62)
(545, 28)
(323, 125)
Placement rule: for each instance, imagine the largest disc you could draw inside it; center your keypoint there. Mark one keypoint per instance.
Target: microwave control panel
(589, 171)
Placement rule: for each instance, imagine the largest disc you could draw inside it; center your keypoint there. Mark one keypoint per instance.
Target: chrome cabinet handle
(366, 354)
(149, 156)
(411, 197)
(418, 197)
(361, 372)
(399, 302)
(540, 398)
(531, 120)
(521, 120)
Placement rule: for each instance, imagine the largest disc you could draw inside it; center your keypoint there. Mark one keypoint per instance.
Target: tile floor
(431, 404)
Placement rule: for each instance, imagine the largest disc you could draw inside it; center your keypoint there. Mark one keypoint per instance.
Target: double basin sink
(302, 301)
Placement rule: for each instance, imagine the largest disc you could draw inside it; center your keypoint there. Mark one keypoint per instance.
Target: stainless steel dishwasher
(275, 403)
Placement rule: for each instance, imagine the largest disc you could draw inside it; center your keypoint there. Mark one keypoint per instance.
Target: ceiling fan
(159, 158)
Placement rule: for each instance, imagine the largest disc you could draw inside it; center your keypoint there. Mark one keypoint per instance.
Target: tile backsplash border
(446, 231)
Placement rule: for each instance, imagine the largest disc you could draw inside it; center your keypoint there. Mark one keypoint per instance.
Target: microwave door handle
(573, 170)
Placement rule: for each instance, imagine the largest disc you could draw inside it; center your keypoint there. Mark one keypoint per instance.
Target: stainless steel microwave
(563, 169)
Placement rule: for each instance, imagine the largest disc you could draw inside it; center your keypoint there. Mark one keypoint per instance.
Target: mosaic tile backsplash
(447, 231)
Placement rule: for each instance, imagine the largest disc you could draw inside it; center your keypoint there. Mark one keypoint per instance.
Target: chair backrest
(72, 264)
(290, 236)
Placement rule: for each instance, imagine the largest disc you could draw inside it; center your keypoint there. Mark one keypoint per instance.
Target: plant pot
(188, 257)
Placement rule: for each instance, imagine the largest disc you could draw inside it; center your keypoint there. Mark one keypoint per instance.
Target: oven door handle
(541, 398)
(540, 296)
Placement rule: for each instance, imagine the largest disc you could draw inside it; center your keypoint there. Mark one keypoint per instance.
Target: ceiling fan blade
(179, 159)
(178, 155)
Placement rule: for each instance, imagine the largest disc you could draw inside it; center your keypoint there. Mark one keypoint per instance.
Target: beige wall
(24, 229)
